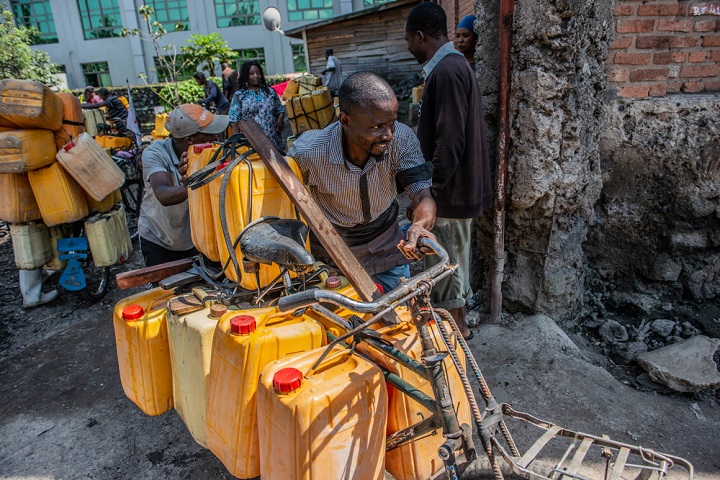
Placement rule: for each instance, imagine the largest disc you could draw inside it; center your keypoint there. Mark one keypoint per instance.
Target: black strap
(70, 122)
(365, 198)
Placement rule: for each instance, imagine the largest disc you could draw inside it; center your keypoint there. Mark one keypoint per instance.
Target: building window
(298, 50)
(237, 13)
(299, 10)
(257, 54)
(100, 18)
(97, 74)
(172, 14)
(374, 3)
(37, 14)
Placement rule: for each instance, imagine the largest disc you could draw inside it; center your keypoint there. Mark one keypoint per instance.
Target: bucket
(332, 419)
(105, 204)
(91, 118)
(419, 459)
(202, 221)
(60, 198)
(250, 186)
(191, 338)
(25, 150)
(310, 111)
(27, 104)
(143, 353)
(17, 201)
(245, 341)
(72, 123)
(107, 238)
(93, 169)
(31, 245)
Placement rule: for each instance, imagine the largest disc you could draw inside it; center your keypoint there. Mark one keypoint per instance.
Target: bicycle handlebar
(429, 277)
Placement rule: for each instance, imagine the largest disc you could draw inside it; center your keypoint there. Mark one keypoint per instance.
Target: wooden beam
(143, 276)
(316, 219)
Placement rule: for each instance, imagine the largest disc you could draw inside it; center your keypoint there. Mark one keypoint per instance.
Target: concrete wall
(606, 192)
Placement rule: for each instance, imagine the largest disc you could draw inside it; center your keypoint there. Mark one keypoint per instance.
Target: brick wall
(455, 11)
(665, 47)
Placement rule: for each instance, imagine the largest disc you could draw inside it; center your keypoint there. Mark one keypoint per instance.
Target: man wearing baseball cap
(164, 223)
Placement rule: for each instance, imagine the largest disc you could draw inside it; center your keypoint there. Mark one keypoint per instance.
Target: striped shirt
(337, 185)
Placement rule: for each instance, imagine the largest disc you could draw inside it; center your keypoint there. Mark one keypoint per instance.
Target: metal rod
(507, 8)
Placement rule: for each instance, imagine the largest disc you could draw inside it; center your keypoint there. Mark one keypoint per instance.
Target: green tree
(170, 64)
(17, 59)
(206, 50)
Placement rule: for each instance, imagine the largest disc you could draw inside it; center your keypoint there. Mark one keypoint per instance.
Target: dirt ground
(65, 416)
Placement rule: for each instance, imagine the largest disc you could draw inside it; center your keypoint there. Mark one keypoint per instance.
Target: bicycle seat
(277, 240)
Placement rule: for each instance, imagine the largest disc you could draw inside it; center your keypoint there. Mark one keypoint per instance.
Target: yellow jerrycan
(252, 192)
(72, 123)
(28, 104)
(17, 201)
(332, 419)
(141, 339)
(191, 337)
(202, 221)
(60, 198)
(91, 167)
(108, 238)
(31, 245)
(419, 459)
(25, 150)
(245, 341)
(105, 204)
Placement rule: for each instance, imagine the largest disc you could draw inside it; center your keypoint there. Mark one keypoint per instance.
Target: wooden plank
(616, 473)
(143, 276)
(316, 219)
(579, 456)
(537, 446)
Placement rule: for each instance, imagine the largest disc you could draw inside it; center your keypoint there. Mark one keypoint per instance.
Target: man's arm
(451, 110)
(422, 222)
(211, 90)
(163, 187)
(330, 67)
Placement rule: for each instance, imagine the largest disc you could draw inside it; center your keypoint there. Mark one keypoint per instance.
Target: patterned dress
(263, 107)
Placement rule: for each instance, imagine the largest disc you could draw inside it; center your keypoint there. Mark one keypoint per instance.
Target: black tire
(132, 194)
(97, 280)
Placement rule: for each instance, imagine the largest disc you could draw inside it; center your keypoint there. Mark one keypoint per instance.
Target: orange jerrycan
(252, 192)
(17, 201)
(202, 221)
(27, 104)
(330, 420)
(25, 150)
(191, 337)
(60, 198)
(245, 341)
(419, 459)
(141, 339)
(72, 122)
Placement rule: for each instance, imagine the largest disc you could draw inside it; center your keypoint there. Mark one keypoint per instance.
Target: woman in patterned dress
(256, 100)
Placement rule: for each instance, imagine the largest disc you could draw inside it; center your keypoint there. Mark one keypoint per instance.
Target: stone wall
(144, 101)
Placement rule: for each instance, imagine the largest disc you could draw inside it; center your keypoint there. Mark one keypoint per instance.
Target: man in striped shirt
(354, 167)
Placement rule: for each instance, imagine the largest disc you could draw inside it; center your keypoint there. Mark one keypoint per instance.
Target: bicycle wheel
(132, 193)
(97, 280)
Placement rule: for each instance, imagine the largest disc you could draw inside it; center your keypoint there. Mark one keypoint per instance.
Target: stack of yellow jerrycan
(252, 193)
(111, 142)
(191, 332)
(332, 417)
(308, 83)
(143, 351)
(313, 110)
(245, 342)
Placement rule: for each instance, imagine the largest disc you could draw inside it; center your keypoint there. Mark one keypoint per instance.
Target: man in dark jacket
(452, 137)
(213, 95)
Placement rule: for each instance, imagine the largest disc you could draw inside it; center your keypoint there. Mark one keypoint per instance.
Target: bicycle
(81, 275)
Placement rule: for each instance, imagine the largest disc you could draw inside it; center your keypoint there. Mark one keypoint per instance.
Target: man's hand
(183, 166)
(409, 246)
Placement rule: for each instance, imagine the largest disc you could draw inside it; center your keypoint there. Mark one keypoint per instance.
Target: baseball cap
(189, 119)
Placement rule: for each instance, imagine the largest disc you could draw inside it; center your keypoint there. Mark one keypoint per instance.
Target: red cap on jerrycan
(333, 282)
(132, 312)
(68, 146)
(287, 380)
(242, 325)
(201, 146)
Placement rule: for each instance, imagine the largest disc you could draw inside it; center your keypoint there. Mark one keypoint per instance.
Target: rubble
(687, 366)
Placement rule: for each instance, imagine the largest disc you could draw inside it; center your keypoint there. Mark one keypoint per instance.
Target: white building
(84, 35)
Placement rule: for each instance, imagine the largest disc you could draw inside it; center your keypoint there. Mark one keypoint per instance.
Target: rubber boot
(31, 289)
